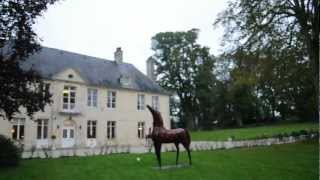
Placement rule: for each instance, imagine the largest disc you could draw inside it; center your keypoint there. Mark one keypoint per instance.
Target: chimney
(150, 69)
(118, 55)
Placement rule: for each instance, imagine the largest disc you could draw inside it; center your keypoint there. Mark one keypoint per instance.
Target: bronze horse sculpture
(160, 135)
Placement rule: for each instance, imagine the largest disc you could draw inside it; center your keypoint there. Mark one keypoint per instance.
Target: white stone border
(195, 146)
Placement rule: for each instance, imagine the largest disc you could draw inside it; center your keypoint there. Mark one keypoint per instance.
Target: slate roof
(95, 71)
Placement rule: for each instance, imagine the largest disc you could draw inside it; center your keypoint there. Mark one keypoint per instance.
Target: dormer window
(124, 80)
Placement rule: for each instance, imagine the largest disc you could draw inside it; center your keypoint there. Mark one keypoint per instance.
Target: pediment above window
(70, 75)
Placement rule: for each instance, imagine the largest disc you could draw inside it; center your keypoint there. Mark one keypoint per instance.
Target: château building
(95, 102)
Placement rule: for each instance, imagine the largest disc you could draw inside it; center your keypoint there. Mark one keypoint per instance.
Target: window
(45, 89)
(140, 105)
(69, 97)
(140, 130)
(71, 133)
(91, 129)
(18, 128)
(42, 129)
(65, 133)
(111, 101)
(111, 129)
(92, 97)
(155, 102)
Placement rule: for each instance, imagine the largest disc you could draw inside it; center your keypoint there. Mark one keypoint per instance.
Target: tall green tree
(205, 93)
(177, 55)
(20, 87)
(277, 26)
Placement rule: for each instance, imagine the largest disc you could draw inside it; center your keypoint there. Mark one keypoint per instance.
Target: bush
(279, 136)
(295, 134)
(304, 132)
(10, 154)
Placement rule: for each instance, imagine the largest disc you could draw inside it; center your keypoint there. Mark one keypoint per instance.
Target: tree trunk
(239, 121)
(190, 122)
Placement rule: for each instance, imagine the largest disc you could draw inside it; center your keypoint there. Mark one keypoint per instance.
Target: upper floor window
(69, 97)
(42, 129)
(155, 102)
(141, 130)
(111, 129)
(45, 89)
(91, 129)
(140, 103)
(92, 97)
(111, 101)
(17, 130)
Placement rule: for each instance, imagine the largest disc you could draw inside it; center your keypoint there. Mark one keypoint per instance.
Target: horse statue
(161, 135)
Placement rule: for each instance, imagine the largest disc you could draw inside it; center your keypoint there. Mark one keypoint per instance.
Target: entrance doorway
(68, 133)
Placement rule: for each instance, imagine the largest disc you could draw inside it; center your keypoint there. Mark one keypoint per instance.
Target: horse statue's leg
(157, 147)
(188, 149)
(186, 144)
(177, 147)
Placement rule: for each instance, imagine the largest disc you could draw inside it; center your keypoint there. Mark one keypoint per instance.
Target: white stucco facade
(70, 126)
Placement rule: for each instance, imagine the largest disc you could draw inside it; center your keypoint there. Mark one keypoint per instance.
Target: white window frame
(141, 102)
(69, 94)
(141, 129)
(43, 124)
(155, 102)
(20, 123)
(92, 128)
(111, 99)
(92, 99)
(111, 127)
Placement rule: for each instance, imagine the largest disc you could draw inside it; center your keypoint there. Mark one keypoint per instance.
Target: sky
(97, 27)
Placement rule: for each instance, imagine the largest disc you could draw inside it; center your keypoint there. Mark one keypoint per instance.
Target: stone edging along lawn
(195, 146)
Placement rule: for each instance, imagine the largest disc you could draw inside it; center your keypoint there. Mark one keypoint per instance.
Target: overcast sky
(97, 27)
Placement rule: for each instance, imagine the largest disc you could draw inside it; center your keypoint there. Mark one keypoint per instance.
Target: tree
(176, 56)
(206, 92)
(20, 87)
(277, 26)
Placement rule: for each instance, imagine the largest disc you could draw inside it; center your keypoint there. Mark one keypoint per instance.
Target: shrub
(279, 136)
(53, 136)
(304, 132)
(295, 134)
(285, 134)
(10, 154)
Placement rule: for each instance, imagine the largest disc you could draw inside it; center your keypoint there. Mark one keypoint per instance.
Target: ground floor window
(91, 129)
(111, 129)
(141, 127)
(42, 129)
(17, 130)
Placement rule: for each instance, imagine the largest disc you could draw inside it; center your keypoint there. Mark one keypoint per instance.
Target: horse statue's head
(157, 118)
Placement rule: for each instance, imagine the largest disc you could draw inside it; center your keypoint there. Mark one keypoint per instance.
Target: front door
(68, 137)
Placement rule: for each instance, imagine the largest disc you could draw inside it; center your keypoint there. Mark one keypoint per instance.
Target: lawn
(251, 132)
(290, 161)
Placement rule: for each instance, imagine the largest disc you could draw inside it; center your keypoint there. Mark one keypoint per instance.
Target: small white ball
(138, 159)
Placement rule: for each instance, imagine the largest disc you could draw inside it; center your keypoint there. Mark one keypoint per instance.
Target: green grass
(290, 161)
(252, 132)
